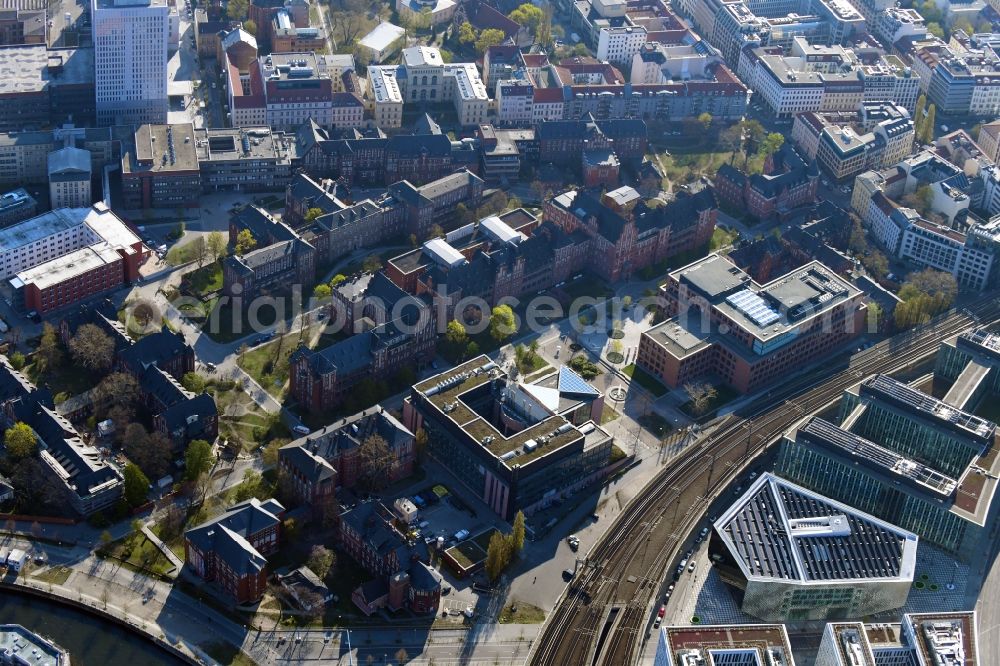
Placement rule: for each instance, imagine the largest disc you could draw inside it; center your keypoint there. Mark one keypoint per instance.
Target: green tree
(321, 561)
(487, 38)
(455, 333)
(518, 533)
(771, 143)
(706, 121)
(216, 245)
(933, 283)
(935, 29)
(245, 242)
(193, 382)
(136, 485)
(528, 16)
(502, 323)
(20, 441)
(312, 214)
(466, 33)
(237, 9)
(471, 349)
(927, 129)
(498, 555)
(322, 291)
(337, 280)
(92, 348)
(250, 26)
(17, 360)
(197, 459)
(919, 112)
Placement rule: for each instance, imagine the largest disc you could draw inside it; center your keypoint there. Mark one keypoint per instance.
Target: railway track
(605, 611)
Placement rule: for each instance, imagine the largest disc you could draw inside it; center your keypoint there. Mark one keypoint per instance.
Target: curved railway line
(605, 610)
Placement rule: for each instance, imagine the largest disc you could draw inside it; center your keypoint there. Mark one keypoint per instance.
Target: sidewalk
(169, 554)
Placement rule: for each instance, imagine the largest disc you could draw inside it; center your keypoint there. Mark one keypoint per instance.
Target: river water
(90, 640)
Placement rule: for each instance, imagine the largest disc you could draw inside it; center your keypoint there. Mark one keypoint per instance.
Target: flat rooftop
(851, 643)
(32, 68)
(453, 394)
(780, 531)
(712, 277)
(225, 144)
(944, 639)
(69, 266)
(29, 646)
(293, 66)
(769, 642)
(161, 149)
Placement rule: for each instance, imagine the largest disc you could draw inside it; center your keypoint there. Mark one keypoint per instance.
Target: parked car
(574, 542)
(567, 575)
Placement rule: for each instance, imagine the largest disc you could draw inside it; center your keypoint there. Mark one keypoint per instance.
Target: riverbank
(100, 609)
(90, 639)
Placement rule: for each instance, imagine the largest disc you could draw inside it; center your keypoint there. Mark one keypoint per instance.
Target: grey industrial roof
(778, 530)
(29, 68)
(713, 276)
(69, 159)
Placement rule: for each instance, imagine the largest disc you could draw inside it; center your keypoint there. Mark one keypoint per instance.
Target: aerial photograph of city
(500, 332)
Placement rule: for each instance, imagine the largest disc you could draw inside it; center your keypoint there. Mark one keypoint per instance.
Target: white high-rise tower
(130, 60)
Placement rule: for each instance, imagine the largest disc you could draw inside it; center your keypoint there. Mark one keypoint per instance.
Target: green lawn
(181, 254)
(517, 612)
(222, 323)
(138, 553)
(268, 363)
(55, 575)
(645, 380)
(67, 378)
(227, 654)
(205, 280)
(722, 238)
(609, 415)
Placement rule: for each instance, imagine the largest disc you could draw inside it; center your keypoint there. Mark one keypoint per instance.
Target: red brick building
(368, 533)
(329, 457)
(788, 182)
(231, 550)
(100, 253)
(724, 326)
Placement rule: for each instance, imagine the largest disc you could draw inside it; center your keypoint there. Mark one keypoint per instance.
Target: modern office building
(918, 462)
(921, 639)
(517, 446)
(721, 322)
(730, 644)
(915, 424)
(879, 135)
(130, 60)
(824, 78)
(797, 555)
(972, 361)
(160, 168)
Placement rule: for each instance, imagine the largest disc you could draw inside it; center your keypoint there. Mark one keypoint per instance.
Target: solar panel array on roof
(819, 430)
(784, 532)
(570, 382)
(905, 395)
(753, 306)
